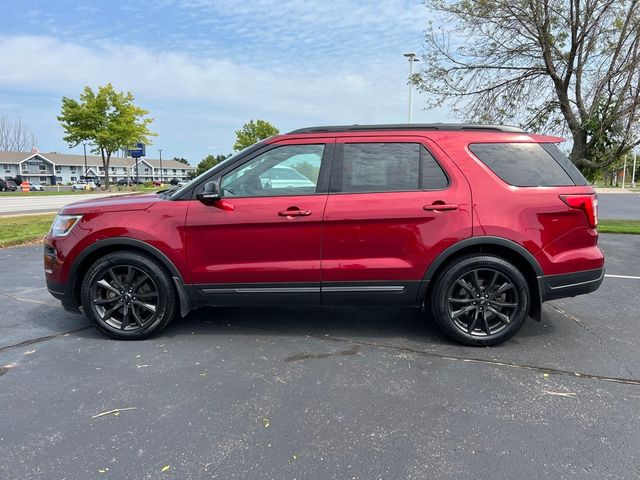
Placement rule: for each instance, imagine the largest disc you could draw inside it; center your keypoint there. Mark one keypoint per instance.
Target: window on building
(42, 168)
(58, 169)
(73, 179)
(44, 179)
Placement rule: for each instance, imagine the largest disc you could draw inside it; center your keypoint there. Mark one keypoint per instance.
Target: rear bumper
(565, 285)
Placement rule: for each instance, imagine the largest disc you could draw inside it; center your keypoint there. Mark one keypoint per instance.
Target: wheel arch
(501, 247)
(109, 245)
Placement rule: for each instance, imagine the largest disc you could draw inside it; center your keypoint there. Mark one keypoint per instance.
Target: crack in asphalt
(42, 339)
(594, 334)
(482, 361)
(27, 300)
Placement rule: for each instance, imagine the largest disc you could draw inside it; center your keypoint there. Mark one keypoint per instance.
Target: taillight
(587, 203)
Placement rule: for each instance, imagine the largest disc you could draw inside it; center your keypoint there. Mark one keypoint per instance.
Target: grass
(24, 229)
(619, 226)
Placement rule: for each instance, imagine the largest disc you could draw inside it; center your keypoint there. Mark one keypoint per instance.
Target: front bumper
(565, 285)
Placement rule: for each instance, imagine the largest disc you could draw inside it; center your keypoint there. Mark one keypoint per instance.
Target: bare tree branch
(14, 136)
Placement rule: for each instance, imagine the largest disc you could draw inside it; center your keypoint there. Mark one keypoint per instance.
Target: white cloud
(221, 91)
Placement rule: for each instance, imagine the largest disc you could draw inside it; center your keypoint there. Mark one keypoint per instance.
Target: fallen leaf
(138, 356)
(266, 422)
(115, 411)
(165, 468)
(29, 352)
(204, 374)
(561, 394)
(103, 470)
(295, 457)
(545, 375)
(142, 366)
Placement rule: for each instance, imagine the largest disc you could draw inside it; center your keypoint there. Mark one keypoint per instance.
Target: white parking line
(623, 276)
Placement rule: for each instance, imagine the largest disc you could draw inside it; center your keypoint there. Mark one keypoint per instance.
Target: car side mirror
(210, 193)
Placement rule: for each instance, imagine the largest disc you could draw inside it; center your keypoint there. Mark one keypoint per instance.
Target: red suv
(481, 224)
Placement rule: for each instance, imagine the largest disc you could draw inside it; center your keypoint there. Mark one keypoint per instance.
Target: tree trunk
(578, 153)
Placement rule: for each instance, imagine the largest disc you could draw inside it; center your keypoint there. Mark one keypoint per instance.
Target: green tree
(253, 132)
(208, 162)
(181, 160)
(548, 65)
(107, 119)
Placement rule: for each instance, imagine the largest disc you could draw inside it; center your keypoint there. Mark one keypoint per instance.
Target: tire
(480, 300)
(128, 296)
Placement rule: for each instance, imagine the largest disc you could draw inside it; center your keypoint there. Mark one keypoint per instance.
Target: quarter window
(386, 167)
(286, 170)
(524, 164)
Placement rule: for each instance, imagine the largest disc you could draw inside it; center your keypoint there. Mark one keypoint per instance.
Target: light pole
(633, 174)
(84, 146)
(161, 180)
(411, 56)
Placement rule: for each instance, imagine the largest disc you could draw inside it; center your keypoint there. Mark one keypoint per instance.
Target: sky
(203, 68)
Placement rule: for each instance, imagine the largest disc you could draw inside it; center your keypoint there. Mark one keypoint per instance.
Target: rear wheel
(128, 295)
(480, 300)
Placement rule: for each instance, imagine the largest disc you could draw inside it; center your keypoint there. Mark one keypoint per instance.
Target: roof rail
(409, 126)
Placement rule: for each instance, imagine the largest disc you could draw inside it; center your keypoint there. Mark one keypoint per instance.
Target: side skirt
(309, 294)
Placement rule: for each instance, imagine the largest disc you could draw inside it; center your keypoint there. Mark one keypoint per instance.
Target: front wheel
(128, 295)
(480, 300)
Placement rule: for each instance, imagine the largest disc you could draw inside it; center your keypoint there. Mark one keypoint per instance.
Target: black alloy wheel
(481, 300)
(128, 295)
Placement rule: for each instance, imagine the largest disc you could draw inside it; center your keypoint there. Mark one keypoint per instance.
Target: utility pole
(84, 146)
(411, 56)
(161, 180)
(624, 171)
(633, 173)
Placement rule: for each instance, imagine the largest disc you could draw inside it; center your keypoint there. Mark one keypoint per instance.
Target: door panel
(247, 240)
(262, 239)
(390, 238)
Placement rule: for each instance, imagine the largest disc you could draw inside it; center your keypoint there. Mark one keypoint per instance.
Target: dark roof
(409, 126)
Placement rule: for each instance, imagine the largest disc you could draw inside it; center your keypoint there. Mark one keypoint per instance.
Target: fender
(483, 240)
(537, 300)
(185, 303)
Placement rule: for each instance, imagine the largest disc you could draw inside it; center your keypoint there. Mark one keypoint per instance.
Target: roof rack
(409, 126)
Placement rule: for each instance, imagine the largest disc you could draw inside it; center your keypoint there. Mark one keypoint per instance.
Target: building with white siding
(56, 168)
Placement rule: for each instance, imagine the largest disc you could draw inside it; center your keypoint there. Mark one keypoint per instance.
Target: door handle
(440, 207)
(294, 212)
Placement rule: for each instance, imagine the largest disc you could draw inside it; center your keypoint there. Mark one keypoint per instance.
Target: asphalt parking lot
(625, 206)
(320, 393)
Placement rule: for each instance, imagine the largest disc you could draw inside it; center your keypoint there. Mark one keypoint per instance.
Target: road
(624, 206)
(45, 203)
(327, 393)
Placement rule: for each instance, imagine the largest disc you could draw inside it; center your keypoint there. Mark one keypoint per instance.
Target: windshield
(174, 193)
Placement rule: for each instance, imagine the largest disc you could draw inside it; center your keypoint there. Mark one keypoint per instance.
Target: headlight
(63, 224)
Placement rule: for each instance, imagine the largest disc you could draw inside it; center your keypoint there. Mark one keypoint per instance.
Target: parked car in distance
(94, 180)
(477, 224)
(8, 185)
(285, 177)
(82, 185)
(35, 187)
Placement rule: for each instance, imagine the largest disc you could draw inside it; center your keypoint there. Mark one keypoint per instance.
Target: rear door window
(527, 164)
(388, 167)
